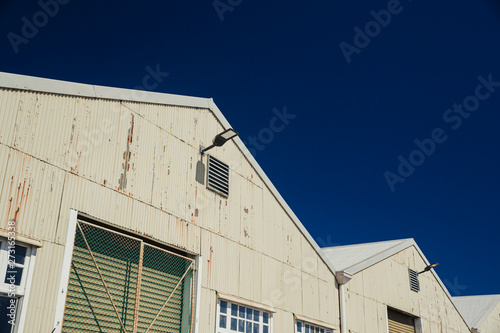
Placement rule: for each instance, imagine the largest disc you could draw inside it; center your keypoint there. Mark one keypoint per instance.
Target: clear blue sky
(353, 119)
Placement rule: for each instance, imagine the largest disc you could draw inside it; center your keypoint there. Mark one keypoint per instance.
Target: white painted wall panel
(294, 298)
(310, 296)
(209, 306)
(10, 102)
(43, 296)
(250, 275)
(272, 283)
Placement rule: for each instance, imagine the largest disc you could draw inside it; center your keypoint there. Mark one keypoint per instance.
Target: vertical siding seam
(5, 175)
(60, 208)
(16, 127)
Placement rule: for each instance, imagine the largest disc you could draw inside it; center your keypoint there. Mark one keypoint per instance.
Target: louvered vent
(414, 284)
(218, 176)
(399, 322)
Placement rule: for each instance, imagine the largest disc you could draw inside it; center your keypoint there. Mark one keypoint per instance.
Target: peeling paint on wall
(126, 157)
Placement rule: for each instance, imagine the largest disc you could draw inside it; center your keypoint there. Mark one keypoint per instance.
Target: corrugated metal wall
(133, 165)
(387, 284)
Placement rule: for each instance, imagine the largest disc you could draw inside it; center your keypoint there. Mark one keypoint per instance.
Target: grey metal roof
(475, 309)
(357, 257)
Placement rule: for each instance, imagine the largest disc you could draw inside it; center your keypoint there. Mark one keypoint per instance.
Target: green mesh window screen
(121, 284)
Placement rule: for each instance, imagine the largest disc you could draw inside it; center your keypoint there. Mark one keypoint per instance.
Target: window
(16, 261)
(119, 283)
(218, 176)
(304, 327)
(232, 317)
(414, 284)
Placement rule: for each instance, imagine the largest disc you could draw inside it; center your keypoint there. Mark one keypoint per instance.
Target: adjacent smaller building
(384, 287)
(482, 313)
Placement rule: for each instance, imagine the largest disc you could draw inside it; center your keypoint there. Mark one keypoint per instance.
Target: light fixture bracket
(220, 139)
(428, 268)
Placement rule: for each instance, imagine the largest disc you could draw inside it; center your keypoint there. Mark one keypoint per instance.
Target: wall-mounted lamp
(220, 139)
(428, 268)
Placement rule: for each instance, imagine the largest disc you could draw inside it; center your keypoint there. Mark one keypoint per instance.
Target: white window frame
(246, 306)
(21, 292)
(312, 328)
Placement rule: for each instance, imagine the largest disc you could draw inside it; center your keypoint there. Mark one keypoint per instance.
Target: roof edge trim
(32, 83)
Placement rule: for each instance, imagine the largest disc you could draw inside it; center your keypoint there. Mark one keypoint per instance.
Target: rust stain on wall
(209, 264)
(126, 157)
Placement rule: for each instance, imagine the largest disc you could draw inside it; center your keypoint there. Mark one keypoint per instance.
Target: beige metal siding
(386, 284)
(41, 307)
(68, 152)
(31, 194)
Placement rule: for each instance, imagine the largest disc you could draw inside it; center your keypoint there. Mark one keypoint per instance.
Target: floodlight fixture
(428, 268)
(220, 139)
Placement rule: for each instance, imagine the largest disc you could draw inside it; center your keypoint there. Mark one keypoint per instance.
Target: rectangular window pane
(20, 254)
(249, 327)
(5, 302)
(255, 315)
(241, 325)
(242, 312)
(234, 310)
(307, 328)
(265, 329)
(265, 317)
(249, 313)
(234, 324)
(255, 328)
(223, 321)
(13, 276)
(223, 307)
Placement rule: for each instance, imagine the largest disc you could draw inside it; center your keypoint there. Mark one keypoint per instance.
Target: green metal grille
(121, 284)
(161, 274)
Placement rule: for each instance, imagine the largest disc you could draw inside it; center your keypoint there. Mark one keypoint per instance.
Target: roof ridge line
(384, 251)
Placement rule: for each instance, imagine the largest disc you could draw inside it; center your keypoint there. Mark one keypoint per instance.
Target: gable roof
(30, 83)
(475, 309)
(357, 257)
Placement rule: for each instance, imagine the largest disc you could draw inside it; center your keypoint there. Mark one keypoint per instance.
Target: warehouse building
(119, 223)
(482, 313)
(391, 287)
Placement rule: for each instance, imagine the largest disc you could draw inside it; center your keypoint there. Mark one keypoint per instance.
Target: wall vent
(414, 284)
(218, 176)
